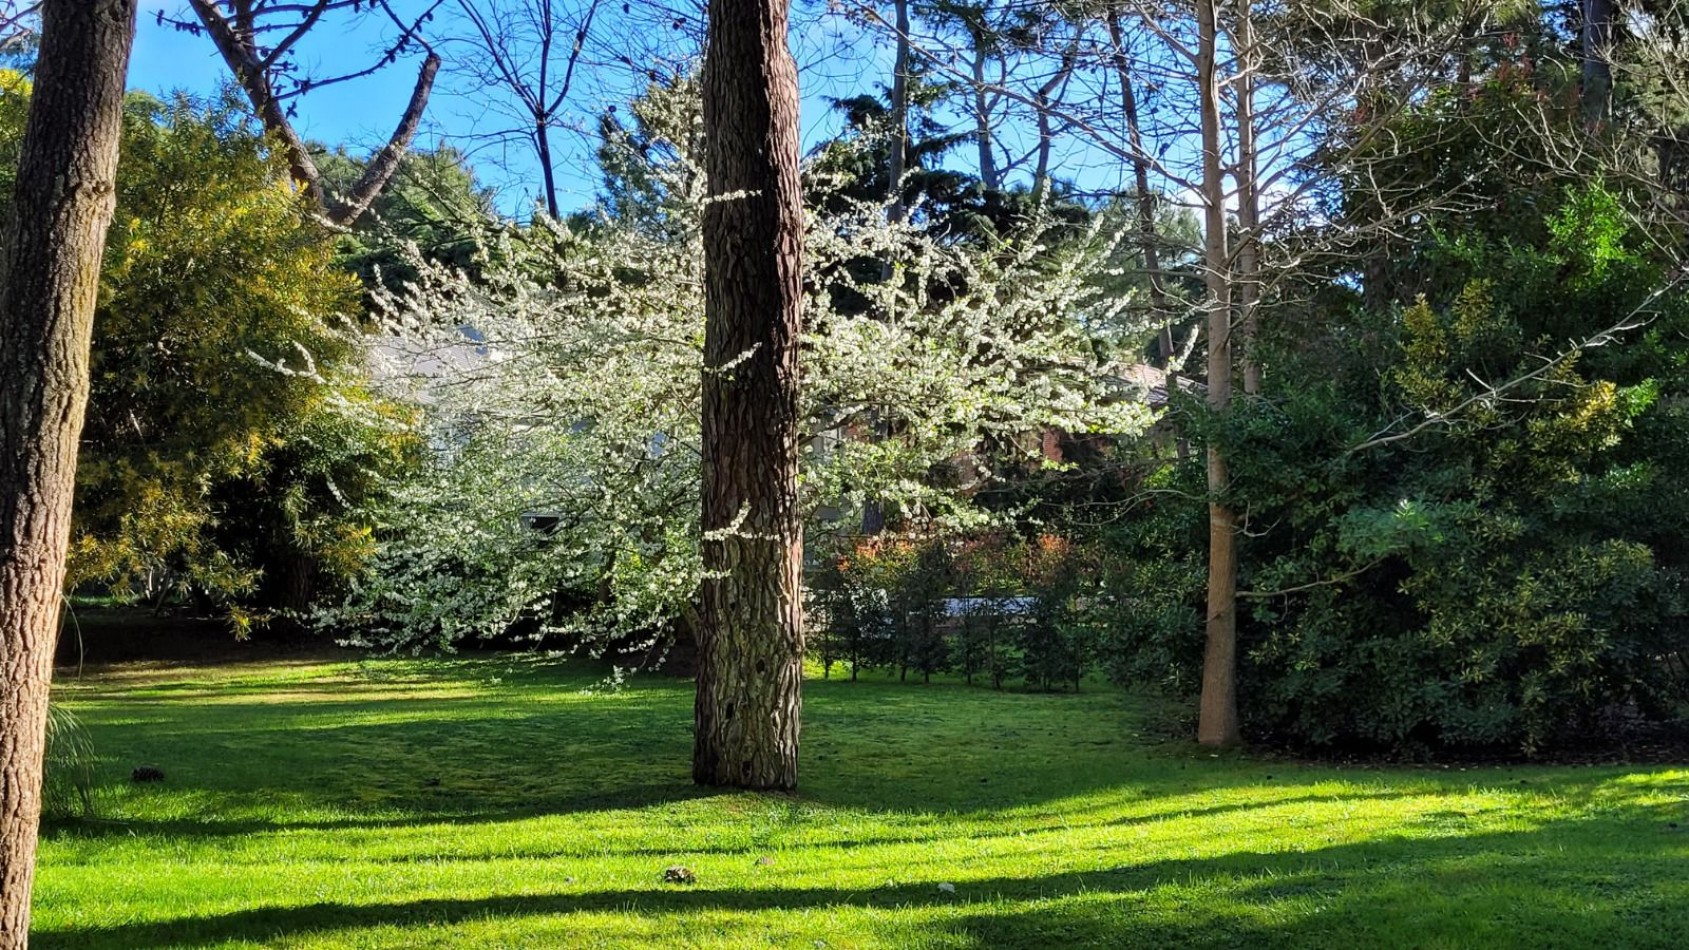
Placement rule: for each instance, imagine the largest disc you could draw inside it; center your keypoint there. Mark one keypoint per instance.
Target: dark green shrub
(1500, 578)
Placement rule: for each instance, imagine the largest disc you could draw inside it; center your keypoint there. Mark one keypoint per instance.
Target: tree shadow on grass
(622, 797)
(923, 756)
(1594, 881)
(532, 748)
(522, 753)
(632, 798)
(404, 759)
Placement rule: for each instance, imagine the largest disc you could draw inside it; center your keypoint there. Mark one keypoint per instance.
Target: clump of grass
(68, 787)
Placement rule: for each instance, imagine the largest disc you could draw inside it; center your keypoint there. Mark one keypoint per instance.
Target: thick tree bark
(1217, 716)
(62, 203)
(750, 637)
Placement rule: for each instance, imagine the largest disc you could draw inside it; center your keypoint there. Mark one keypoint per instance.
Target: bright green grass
(491, 803)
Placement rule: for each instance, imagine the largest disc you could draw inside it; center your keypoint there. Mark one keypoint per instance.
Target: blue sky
(836, 57)
(361, 113)
(165, 59)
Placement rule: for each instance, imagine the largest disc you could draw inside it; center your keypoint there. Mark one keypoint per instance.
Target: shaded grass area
(504, 802)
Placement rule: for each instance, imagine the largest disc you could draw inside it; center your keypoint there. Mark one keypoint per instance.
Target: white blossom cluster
(561, 392)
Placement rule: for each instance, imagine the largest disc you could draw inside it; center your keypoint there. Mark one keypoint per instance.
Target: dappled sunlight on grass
(505, 802)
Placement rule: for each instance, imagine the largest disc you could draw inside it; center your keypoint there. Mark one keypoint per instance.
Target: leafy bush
(229, 431)
(1463, 535)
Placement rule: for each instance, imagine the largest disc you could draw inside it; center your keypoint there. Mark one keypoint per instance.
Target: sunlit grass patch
(498, 802)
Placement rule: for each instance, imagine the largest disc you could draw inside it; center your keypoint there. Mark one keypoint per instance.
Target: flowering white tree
(562, 391)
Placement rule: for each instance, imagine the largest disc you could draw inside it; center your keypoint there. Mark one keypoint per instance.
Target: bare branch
(236, 28)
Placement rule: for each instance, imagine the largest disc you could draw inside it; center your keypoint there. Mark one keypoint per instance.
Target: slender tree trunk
(873, 510)
(62, 204)
(1597, 37)
(542, 144)
(982, 121)
(1140, 174)
(550, 106)
(1147, 232)
(1248, 199)
(1046, 138)
(895, 209)
(750, 673)
(1046, 127)
(1217, 722)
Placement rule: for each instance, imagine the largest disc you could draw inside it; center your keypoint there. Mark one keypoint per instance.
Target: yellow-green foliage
(221, 345)
(1422, 374)
(212, 266)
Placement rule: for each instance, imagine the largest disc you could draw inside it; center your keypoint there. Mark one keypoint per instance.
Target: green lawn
(492, 803)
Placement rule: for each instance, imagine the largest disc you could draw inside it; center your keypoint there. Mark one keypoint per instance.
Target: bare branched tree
(520, 59)
(19, 25)
(257, 39)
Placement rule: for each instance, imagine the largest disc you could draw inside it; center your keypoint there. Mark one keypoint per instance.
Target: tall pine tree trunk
(1151, 245)
(1149, 240)
(49, 276)
(750, 637)
(1044, 98)
(873, 510)
(1217, 715)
